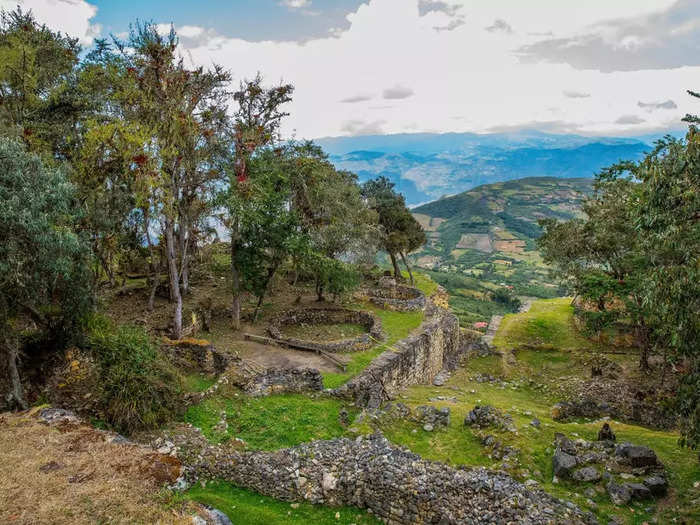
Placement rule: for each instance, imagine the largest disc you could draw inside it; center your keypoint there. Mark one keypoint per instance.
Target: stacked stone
(278, 380)
(415, 360)
(395, 484)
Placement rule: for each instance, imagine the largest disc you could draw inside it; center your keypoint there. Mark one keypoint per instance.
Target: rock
(329, 481)
(657, 485)
(565, 444)
(428, 414)
(562, 463)
(216, 517)
(636, 455)
(488, 416)
(619, 494)
(535, 423)
(441, 378)
(53, 416)
(606, 433)
(428, 427)
(590, 492)
(638, 490)
(531, 483)
(586, 474)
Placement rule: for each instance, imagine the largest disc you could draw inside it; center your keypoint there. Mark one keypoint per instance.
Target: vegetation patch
(249, 508)
(269, 423)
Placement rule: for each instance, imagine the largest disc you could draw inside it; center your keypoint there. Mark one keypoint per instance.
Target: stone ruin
(392, 296)
(312, 316)
(626, 471)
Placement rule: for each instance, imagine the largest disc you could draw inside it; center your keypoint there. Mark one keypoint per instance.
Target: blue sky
(593, 67)
(252, 20)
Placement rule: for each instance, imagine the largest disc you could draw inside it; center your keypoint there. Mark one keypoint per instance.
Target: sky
(598, 67)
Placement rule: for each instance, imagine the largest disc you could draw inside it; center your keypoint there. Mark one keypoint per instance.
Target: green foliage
(37, 101)
(43, 261)
(140, 389)
(250, 508)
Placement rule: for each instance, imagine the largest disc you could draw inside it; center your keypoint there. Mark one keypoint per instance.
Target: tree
(182, 111)
(38, 104)
(400, 232)
(43, 262)
(256, 125)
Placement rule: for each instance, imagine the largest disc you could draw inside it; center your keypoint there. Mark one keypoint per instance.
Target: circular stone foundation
(318, 316)
(398, 297)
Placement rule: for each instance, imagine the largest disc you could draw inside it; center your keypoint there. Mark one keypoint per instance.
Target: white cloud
(296, 4)
(68, 16)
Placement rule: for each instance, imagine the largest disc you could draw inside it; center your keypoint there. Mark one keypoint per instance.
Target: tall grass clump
(140, 389)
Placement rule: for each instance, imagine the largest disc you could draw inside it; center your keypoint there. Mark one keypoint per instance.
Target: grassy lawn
(548, 323)
(244, 507)
(396, 325)
(269, 423)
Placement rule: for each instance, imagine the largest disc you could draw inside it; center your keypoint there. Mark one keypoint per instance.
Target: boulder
(562, 463)
(619, 494)
(587, 474)
(657, 485)
(638, 490)
(565, 444)
(636, 455)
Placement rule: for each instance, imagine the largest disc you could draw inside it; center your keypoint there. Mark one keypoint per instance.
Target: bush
(140, 389)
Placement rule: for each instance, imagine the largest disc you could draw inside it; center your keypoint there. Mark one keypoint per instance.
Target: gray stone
(636, 455)
(638, 490)
(619, 494)
(562, 463)
(587, 474)
(657, 485)
(535, 423)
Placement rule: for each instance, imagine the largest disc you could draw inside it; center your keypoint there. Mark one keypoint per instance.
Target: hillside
(425, 166)
(484, 239)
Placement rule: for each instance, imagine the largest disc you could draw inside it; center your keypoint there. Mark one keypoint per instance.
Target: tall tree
(256, 124)
(400, 232)
(183, 112)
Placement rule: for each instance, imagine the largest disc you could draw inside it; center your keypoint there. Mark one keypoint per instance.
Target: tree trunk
(644, 346)
(155, 274)
(397, 272)
(236, 283)
(319, 290)
(174, 276)
(270, 275)
(16, 394)
(184, 263)
(408, 267)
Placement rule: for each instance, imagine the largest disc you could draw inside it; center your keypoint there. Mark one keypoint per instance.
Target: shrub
(140, 389)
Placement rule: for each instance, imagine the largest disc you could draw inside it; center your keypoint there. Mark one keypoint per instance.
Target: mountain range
(426, 166)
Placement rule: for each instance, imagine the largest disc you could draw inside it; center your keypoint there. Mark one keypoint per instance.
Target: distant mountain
(496, 222)
(427, 166)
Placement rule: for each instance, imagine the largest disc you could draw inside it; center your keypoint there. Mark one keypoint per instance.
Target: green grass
(197, 382)
(396, 325)
(245, 507)
(549, 322)
(269, 423)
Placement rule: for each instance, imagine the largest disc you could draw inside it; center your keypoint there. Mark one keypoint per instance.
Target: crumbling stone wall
(398, 486)
(414, 360)
(399, 298)
(369, 321)
(197, 354)
(278, 380)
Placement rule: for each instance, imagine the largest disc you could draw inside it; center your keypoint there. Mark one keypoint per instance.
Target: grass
(396, 325)
(197, 382)
(249, 508)
(549, 322)
(269, 423)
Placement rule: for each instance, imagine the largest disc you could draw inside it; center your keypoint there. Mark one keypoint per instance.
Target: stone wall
(369, 321)
(414, 360)
(396, 485)
(399, 298)
(197, 354)
(278, 380)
